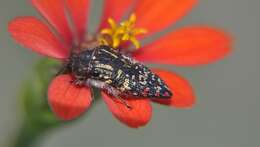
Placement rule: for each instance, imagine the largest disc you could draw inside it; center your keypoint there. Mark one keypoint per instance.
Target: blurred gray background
(227, 113)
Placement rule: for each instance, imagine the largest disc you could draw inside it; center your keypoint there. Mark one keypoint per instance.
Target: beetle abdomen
(125, 74)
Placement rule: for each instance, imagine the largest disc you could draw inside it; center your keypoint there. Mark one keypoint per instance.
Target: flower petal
(67, 100)
(114, 9)
(138, 115)
(32, 33)
(79, 13)
(183, 96)
(188, 46)
(155, 15)
(54, 12)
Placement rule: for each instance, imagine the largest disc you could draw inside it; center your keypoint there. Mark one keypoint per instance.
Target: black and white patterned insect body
(118, 74)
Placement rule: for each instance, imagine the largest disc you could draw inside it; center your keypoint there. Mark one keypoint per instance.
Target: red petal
(79, 14)
(54, 12)
(138, 115)
(66, 100)
(114, 9)
(183, 96)
(159, 14)
(188, 46)
(32, 33)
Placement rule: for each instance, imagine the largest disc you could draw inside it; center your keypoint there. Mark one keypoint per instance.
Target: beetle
(119, 75)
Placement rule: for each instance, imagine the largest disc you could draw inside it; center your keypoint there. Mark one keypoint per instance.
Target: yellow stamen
(123, 32)
(106, 31)
(112, 23)
(135, 42)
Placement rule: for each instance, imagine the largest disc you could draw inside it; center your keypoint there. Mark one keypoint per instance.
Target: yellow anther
(116, 42)
(125, 37)
(135, 42)
(132, 19)
(112, 23)
(103, 41)
(123, 32)
(107, 31)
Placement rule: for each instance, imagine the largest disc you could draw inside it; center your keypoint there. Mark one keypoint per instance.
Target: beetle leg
(109, 89)
(116, 96)
(123, 101)
(79, 81)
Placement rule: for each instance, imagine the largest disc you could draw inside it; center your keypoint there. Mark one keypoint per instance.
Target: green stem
(27, 136)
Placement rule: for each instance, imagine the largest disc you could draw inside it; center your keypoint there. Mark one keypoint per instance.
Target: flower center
(121, 33)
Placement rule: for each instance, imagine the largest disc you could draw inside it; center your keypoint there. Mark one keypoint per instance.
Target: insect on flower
(106, 59)
(106, 68)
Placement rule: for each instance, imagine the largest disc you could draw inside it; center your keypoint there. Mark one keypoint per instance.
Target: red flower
(187, 46)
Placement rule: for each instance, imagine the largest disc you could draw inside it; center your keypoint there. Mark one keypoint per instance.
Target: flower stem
(27, 136)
